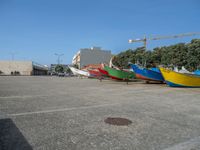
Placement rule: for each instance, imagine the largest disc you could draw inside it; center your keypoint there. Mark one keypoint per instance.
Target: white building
(94, 55)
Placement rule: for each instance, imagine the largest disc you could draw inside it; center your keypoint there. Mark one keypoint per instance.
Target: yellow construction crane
(144, 40)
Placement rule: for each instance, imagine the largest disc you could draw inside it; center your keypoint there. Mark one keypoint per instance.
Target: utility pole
(58, 59)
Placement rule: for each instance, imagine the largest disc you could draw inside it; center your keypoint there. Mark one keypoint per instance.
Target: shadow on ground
(11, 138)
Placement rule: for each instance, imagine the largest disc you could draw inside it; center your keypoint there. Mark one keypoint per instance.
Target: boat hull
(94, 73)
(103, 72)
(79, 72)
(119, 74)
(197, 72)
(175, 79)
(147, 74)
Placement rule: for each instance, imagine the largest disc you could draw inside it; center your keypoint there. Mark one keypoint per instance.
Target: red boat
(103, 72)
(94, 73)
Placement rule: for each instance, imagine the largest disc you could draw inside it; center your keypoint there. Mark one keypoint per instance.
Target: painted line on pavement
(60, 110)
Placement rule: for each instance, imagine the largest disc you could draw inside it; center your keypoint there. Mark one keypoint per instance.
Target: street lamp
(58, 59)
(13, 55)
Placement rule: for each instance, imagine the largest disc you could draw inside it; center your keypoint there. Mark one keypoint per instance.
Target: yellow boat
(176, 79)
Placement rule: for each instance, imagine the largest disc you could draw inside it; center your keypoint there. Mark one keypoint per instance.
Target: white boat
(79, 72)
(111, 64)
(182, 70)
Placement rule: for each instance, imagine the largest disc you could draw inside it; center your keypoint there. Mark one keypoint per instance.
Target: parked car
(61, 74)
(54, 74)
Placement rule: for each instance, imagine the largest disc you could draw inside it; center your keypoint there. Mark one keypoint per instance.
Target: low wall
(23, 67)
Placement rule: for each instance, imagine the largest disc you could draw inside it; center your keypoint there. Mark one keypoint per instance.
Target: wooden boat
(119, 74)
(103, 72)
(197, 72)
(152, 74)
(176, 79)
(94, 73)
(79, 72)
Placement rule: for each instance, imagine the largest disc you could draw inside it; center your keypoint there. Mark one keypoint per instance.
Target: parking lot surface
(68, 113)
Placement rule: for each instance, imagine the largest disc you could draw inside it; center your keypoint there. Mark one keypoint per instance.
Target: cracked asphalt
(52, 113)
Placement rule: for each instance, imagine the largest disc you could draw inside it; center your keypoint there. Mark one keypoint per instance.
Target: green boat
(119, 74)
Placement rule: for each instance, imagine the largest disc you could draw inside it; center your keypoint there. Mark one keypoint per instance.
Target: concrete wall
(38, 72)
(24, 67)
(95, 56)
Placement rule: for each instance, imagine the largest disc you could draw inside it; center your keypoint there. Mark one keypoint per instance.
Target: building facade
(22, 68)
(94, 55)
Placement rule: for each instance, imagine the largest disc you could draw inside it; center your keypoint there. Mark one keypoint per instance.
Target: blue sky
(36, 29)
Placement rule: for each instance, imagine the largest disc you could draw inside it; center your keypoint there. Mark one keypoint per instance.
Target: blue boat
(152, 74)
(197, 72)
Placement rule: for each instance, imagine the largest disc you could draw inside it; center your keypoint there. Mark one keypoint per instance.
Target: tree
(76, 66)
(68, 70)
(180, 54)
(59, 68)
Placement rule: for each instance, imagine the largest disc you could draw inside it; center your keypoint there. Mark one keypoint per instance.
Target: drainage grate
(118, 121)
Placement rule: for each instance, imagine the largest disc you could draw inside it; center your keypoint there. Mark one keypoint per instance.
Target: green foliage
(194, 54)
(181, 54)
(75, 66)
(59, 69)
(123, 58)
(68, 70)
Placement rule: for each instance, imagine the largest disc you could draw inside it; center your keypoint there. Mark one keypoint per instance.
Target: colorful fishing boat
(119, 74)
(197, 72)
(176, 79)
(79, 72)
(152, 74)
(94, 73)
(103, 72)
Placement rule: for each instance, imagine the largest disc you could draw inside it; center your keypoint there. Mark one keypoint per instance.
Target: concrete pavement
(69, 113)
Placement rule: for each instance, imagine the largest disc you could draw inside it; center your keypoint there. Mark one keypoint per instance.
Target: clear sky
(36, 29)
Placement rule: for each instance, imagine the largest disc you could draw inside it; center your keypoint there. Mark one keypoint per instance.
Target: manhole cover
(118, 121)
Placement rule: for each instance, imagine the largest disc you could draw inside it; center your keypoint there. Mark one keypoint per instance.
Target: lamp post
(13, 55)
(58, 59)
